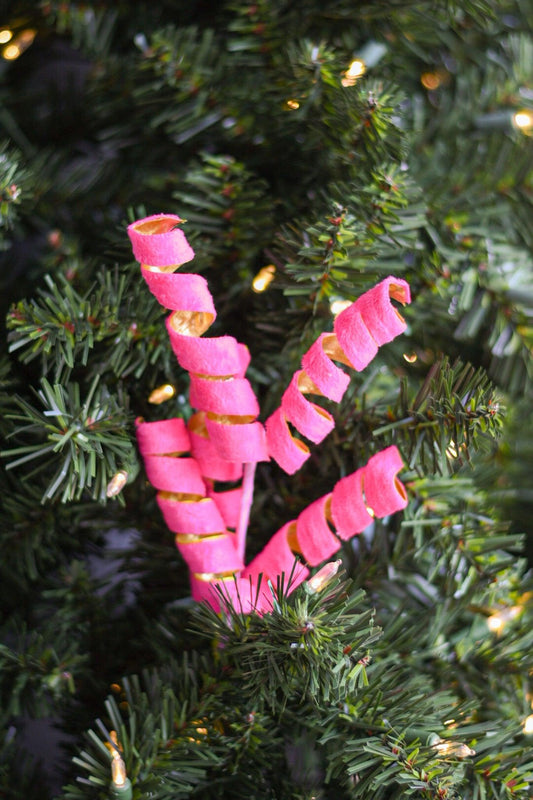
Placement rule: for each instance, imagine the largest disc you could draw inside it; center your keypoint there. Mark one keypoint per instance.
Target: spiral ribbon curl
(184, 462)
(216, 365)
(194, 517)
(359, 331)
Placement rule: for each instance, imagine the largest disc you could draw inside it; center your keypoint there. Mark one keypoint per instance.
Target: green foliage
(454, 407)
(15, 187)
(89, 434)
(70, 330)
(297, 652)
(230, 207)
(239, 117)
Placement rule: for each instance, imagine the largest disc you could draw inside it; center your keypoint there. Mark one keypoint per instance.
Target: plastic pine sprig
(86, 435)
(224, 440)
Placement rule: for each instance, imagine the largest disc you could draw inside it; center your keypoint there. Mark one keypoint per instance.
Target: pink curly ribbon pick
(223, 441)
(358, 332)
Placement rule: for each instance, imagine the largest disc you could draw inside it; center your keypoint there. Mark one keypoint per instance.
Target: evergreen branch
(454, 407)
(85, 441)
(15, 187)
(90, 30)
(69, 330)
(36, 676)
(293, 651)
(229, 207)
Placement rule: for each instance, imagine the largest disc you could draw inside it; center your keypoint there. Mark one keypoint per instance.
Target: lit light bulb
(430, 80)
(18, 45)
(450, 749)
(523, 120)
(117, 483)
(11, 52)
(356, 69)
(120, 783)
(451, 450)
(264, 278)
(410, 357)
(161, 394)
(497, 621)
(5, 36)
(527, 727)
(321, 578)
(336, 306)
(292, 105)
(118, 771)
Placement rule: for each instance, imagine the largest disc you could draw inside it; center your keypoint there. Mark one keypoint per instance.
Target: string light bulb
(320, 579)
(336, 306)
(264, 278)
(527, 727)
(356, 69)
(5, 36)
(523, 120)
(18, 45)
(446, 748)
(451, 450)
(162, 394)
(497, 621)
(117, 483)
(120, 783)
(292, 105)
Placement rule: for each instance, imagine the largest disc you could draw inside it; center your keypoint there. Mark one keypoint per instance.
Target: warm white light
(264, 278)
(451, 450)
(410, 357)
(321, 578)
(5, 36)
(118, 771)
(292, 104)
(354, 71)
(496, 622)
(431, 80)
(523, 120)
(453, 749)
(336, 306)
(161, 394)
(117, 483)
(18, 45)
(527, 727)
(11, 52)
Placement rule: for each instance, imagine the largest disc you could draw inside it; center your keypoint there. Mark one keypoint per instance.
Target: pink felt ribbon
(216, 366)
(339, 515)
(157, 241)
(185, 462)
(359, 331)
(201, 531)
(163, 437)
(318, 530)
(212, 466)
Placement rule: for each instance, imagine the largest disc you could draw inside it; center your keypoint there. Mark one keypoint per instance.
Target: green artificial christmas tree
(308, 153)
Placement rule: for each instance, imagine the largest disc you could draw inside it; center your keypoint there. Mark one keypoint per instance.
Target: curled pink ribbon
(224, 438)
(359, 331)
